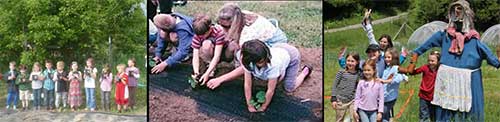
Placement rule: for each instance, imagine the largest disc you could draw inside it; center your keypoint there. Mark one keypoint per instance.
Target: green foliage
(69, 30)
(487, 12)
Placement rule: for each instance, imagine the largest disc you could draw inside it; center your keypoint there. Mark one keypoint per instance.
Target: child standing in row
(61, 85)
(49, 85)
(106, 79)
(24, 86)
(391, 80)
(36, 85)
(121, 93)
(369, 101)
(429, 72)
(75, 77)
(344, 88)
(133, 77)
(12, 92)
(90, 74)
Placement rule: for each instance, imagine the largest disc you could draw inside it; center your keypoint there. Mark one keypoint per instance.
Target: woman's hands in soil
(213, 83)
(204, 78)
(251, 108)
(159, 68)
(262, 108)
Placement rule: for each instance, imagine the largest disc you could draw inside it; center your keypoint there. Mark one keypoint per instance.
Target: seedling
(261, 98)
(152, 62)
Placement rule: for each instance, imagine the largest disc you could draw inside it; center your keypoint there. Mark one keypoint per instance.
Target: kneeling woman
(279, 63)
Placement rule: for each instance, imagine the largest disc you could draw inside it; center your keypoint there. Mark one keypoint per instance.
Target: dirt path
(380, 21)
(44, 116)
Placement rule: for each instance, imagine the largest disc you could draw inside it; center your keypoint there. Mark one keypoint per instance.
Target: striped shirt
(344, 86)
(217, 33)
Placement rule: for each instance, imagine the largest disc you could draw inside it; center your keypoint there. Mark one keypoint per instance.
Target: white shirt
(89, 81)
(279, 62)
(36, 84)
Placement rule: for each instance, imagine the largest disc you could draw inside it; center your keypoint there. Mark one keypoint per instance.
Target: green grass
(356, 40)
(301, 21)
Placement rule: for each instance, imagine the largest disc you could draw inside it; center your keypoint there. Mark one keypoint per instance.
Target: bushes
(487, 12)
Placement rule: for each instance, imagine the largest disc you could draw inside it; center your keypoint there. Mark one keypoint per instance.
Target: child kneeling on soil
(344, 88)
(369, 99)
(209, 45)
(121, 93)
(281, 62)
(24, 86)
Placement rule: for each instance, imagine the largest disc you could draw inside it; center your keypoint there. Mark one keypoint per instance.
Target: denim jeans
(12, 97)
(388, 106)
(427, 111)
(37, 97)
(105, 100)
(90, 98)
(61, 96)
(367, 116)
(49, 98)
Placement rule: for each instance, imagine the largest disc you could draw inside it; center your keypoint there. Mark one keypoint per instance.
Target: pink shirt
(133, 77)
(106, 82)
(369, 96)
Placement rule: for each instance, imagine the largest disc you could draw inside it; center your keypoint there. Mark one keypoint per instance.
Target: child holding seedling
(36, 85)
(106, 79)
(369, 98)
(344, 88)
(429, 72)
(391, 80)
(121, 93)
(24, 85)
(89, 75)
(133, 77)
(12, 91)
(209, 45)
(48, 85)
(61, 85)
(283, 66)
(75, 77)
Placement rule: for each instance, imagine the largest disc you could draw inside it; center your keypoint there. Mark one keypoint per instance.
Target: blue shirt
(391, 89)
(473, 53)
(48, 83)
(185, 33)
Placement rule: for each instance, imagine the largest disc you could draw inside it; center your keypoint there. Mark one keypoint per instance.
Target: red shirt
(217, 33)
(428, 80)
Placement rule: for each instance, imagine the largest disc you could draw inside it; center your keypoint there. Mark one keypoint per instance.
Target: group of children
(368, 90)
(66, 85)
(246, 39)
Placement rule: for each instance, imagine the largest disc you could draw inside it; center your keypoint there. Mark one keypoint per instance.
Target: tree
(69, 30)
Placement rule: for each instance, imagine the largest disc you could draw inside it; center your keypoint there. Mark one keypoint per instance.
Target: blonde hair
(120, 68)
(60, 63)
(36, 65)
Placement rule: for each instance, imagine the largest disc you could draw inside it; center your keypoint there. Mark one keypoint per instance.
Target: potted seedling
(260, 99)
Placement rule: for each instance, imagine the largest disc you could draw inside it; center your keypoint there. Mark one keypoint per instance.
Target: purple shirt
(106, 82)
(369, 96)
(133, 75)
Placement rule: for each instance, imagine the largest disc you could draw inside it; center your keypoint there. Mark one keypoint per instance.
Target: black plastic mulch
(228, 99)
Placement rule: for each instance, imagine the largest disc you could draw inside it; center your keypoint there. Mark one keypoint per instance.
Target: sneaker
(14, 108)
(7, 107)
(92, 110)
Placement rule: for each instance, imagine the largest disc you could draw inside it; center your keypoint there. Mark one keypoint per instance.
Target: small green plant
(261, 98)
(192, 82)
(152, 62)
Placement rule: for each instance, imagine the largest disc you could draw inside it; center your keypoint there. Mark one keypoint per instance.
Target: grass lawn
(356, 40)
(300, 20)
